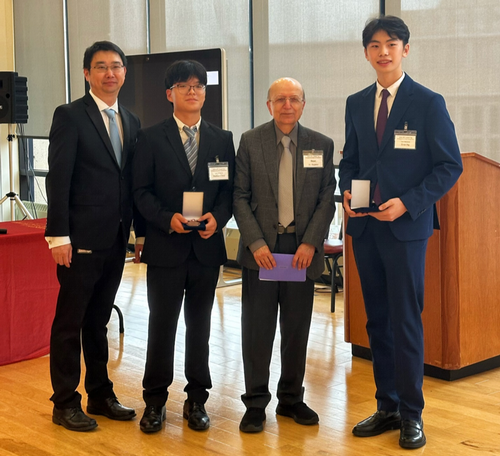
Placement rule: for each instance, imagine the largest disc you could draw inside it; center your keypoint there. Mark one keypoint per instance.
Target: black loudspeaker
(13, 98)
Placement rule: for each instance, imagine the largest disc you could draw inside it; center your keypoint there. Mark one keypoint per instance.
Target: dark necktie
(191, 147)
(381, 123)
(383, 113)
(114, 135)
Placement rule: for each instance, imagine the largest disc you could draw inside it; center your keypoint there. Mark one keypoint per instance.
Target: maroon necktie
(381, 123)
(382, 116)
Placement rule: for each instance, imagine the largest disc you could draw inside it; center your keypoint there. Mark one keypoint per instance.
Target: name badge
(405, 139)
(313, 158)
(218, 171)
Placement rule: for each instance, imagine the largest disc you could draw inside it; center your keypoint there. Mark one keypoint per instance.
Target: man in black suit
(182, 263)
(90, 211)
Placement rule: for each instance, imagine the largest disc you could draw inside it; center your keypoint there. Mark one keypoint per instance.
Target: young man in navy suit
(180, 155)
(90, 211)
(400, 138)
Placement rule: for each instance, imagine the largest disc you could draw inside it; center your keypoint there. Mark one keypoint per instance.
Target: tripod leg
(22, 207)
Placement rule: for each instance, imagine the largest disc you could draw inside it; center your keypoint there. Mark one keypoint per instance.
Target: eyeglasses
(185, 88)
(116, 68)
(281, 101)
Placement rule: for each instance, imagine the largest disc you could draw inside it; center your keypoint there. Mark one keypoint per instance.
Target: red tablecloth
(28, 291)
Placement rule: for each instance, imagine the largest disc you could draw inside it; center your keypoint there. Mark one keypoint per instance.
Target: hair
(183, 70)
(394, 26)
(101, 46)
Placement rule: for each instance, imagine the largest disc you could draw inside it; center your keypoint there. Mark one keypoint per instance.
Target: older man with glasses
(284, 204)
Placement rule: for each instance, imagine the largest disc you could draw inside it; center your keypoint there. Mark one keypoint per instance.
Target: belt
(286, 230)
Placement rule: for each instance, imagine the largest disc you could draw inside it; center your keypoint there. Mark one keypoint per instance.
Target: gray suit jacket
(255, 204)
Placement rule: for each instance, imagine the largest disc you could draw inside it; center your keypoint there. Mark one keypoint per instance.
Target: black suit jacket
(88, 193)
(162, 174)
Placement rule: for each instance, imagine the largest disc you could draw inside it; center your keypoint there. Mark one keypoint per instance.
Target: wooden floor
(461, 418)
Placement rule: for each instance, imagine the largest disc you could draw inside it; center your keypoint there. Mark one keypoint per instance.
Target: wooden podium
(462, 279)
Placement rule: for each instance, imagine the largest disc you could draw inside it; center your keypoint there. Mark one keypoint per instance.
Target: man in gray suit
(274, 217)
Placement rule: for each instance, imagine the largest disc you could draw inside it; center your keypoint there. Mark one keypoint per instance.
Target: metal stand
(13, 195)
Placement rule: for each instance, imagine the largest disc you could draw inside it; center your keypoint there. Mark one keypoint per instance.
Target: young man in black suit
(90, 211)
(400, 138)
(182, 154)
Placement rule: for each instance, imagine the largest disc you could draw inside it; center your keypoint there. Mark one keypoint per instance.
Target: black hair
(183, 70)
(394, 26)
(101, 46)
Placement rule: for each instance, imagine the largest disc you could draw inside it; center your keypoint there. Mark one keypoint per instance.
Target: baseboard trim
(438, 372)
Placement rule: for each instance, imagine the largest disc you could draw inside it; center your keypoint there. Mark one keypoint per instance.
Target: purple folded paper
(283, 272)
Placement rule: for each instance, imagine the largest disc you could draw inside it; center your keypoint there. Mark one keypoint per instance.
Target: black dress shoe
(377, 424)
(412, 434)
(253, 420)
(110, 408)
(153, 419)
(300, 412)
(195, 414)
(73, 419)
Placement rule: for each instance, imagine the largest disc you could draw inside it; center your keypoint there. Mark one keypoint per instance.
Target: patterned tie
(191, 147)
(285, 184)
(114, 135)
(381, 123)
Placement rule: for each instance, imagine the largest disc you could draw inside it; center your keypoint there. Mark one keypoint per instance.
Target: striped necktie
(114, 135)
(191, 147)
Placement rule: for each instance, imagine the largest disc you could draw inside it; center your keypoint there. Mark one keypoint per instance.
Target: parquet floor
(461, 418)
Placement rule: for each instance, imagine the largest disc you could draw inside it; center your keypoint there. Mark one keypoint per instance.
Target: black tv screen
(144, 89)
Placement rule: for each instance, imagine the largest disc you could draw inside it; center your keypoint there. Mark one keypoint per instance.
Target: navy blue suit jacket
(418, 177)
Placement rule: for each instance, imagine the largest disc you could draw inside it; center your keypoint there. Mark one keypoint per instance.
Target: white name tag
(405, 139)
(218, 171)
(313, 158)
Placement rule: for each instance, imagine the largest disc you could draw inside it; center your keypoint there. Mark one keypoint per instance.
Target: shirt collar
(293, 134)
(392, 89)
(101, 105)
(181, 124)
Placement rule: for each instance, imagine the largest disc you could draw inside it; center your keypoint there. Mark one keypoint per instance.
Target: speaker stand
(14, 199)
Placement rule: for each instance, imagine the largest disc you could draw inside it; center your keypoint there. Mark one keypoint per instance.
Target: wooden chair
(334, 250)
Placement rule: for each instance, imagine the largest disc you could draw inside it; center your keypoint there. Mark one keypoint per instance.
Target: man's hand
(264, 258)
(303, 256)
(138, 252)
(210, 227)
(176, 223)
(62, 254)
(347, 206)
(390, 210)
